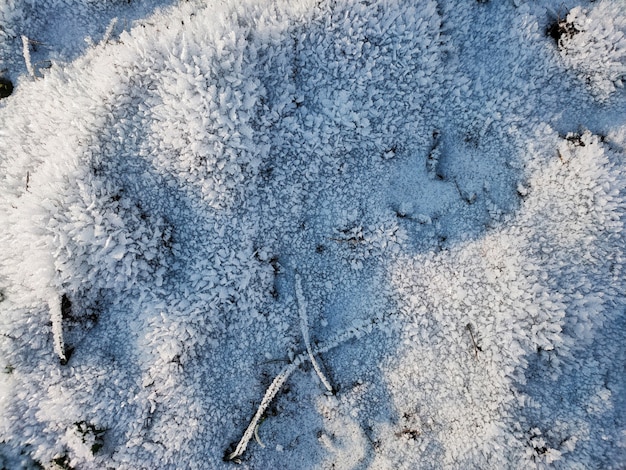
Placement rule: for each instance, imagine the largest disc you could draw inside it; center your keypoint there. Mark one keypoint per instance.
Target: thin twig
(284, 374)
(109, 31)
(26, 53)
(56, 316)
(471, 332)
(305, 333)
(270, 393)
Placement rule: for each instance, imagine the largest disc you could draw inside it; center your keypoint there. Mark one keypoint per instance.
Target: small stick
(471, 332)
(27, 180)
(304, 327)
(26, 53)
(56, 315)
(109, 31)
(285, 373)
(270, 393)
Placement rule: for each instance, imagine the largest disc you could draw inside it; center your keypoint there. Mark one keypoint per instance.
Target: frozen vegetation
(313, 234)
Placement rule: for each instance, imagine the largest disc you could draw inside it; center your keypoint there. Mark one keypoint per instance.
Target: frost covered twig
(304, 327)
(109, 31)
(270, 393)
(26, 53)
(284, 374)
(56, 315)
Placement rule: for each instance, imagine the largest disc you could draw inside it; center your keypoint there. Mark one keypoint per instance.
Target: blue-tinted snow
(445, 180)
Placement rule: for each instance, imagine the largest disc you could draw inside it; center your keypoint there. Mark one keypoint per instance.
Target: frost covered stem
(26, 53)
(304, 327)
(109, 31)
(56, 315)
(284, 374)
(270, 393)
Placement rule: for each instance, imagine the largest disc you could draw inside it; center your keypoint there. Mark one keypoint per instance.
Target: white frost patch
(420, 172)
(593, 43)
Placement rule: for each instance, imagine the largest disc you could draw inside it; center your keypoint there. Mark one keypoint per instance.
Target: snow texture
(593, 42)
(213, 211)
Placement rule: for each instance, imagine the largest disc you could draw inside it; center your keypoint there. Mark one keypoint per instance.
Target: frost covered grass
(216, 214)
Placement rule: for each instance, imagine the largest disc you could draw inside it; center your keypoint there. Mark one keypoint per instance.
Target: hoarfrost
(202, 208)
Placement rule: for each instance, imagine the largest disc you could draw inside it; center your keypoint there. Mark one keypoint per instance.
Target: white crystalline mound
(424, 172)
(594, 46)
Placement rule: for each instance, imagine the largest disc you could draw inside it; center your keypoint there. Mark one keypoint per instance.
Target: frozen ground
(433, 192)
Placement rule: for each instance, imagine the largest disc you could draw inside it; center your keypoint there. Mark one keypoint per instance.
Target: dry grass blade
(305, 333)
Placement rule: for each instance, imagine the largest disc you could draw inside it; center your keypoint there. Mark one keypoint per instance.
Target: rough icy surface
(445, 180)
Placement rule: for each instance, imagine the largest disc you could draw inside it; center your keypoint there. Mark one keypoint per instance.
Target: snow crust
(212, 210)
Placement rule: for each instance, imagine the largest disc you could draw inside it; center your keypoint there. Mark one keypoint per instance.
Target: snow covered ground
(427, 196)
